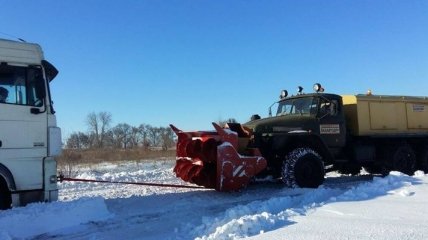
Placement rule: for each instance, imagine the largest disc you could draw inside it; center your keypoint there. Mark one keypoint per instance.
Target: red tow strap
(62, 178)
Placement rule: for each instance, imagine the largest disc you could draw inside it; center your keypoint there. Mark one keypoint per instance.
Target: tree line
(100, 135)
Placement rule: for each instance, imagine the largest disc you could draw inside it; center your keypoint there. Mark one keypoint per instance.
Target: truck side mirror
(50, 70)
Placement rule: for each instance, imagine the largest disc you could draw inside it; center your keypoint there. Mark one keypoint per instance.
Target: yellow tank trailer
(387, 132)
(386, 115)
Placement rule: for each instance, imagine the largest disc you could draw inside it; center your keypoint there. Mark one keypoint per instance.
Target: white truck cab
(29, 136)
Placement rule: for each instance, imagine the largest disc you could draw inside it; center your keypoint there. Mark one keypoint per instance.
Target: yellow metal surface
(417, 115)
(371, 115)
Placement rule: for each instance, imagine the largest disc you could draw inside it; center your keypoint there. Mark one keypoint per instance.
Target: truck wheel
(5, 196)
(303, 167)
(404, 160)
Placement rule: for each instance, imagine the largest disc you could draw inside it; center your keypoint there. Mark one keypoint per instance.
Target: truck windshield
(298, 106)
(21, 85)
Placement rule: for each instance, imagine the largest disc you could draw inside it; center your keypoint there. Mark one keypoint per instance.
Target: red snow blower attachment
(211, 158)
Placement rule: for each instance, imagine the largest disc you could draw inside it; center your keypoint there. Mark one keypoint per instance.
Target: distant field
(70, 158)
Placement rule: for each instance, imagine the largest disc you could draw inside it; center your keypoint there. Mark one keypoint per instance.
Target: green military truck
(313, 131)
(309, 135)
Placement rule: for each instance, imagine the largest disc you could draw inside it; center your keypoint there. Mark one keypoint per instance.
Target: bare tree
(105, 120)
(122, 135)
(167, 138)
(98, 125)
(144, 129)
(153, 134)
(135, 137)
(92, 122)
(78, 140)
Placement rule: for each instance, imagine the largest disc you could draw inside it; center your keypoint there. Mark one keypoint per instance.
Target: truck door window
(22, 84)
(328, 107)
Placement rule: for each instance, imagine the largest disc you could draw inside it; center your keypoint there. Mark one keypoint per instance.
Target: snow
(387, 208)
(39, 218)
(345, 207)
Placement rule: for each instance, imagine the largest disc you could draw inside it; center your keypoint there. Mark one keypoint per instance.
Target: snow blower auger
(211, 159)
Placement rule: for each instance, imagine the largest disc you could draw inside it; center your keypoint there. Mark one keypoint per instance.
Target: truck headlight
(283, 94)
(318, 87)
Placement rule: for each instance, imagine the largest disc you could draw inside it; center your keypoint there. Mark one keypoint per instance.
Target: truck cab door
(23, 125)
(332, 122)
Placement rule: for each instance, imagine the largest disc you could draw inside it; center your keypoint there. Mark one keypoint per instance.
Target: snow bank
(278, 212)
(39, 218)
(380, 186)
(260, 216)
(393, 207)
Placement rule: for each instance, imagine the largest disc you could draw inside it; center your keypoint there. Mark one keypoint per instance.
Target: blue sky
(194, 62)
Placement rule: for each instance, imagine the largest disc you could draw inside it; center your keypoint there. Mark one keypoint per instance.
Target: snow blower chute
(212, 159)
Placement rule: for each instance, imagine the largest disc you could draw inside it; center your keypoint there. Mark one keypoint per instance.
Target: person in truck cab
(3, 94)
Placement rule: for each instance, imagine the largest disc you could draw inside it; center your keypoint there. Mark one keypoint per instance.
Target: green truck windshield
(298, 106)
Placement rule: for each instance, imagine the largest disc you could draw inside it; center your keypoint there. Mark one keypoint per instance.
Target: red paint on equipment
(211, 159)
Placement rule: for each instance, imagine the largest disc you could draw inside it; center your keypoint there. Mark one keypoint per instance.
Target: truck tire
(404, 160)
(5, 195)
(303, 167)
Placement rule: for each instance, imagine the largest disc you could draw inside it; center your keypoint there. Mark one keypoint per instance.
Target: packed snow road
(345, 207)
